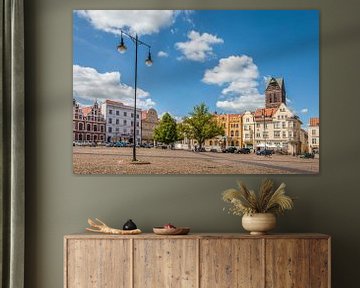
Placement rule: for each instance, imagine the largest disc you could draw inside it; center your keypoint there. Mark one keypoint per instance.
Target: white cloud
(305, 110)
(89, 84)
(162, 54)
(242, 103)
(239, 77)
(198, 48)
(141, 22)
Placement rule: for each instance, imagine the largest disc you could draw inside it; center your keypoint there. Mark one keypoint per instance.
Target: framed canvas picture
(196, 92)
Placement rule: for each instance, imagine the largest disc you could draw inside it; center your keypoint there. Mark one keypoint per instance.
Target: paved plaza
(112, 160)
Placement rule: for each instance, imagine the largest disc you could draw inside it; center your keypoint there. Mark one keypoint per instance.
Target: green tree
(166, 131)
(201, 125)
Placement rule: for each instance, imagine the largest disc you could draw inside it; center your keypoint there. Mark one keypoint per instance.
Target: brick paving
(112, 160)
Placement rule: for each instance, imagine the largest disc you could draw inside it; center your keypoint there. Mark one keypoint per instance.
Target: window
(277, 125)
(137, 132)
(125, 122)
(137, 116)
(80, 126)
(117, 121)
(95, 128)
(257, 135)
(284, 134)
(117, 129)
(117, 113)
(257, 125)
(283, 125)
(110, 120)
(232, 133)
(313, 141)
(132, 115)
(110, 111)
(237, 133)
(110, 130)
(137, 124)
(265, 134)
(125, 130)
(247, 120)
(125, 114)
(276, 134)
(210, 142)
(102, 128)
(88, 128)
(313, 132)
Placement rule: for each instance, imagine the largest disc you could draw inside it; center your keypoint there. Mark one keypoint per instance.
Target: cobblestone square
(112, 160)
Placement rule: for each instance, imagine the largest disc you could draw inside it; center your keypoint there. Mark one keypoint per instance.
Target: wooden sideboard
(197, 260)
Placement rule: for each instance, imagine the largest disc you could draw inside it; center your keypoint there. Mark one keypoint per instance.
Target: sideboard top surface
(87, 235)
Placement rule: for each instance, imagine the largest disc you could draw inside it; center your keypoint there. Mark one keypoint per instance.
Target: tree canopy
(166, 131)
(201, 125)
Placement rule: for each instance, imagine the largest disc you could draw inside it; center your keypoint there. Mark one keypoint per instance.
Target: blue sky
(218, 57)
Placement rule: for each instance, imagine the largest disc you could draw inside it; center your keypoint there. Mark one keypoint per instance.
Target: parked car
(244, 151)
(264, 152)
(230, 149)
(119, 144)
(145, 145)
(307, 155)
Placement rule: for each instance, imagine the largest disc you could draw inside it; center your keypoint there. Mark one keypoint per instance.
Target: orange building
(232, 124)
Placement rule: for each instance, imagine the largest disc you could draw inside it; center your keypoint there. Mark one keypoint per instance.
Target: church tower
(275, 93)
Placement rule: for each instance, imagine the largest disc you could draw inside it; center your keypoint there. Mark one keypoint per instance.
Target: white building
(120, 122)
(277, 128)
(248, 127)
(314, 135)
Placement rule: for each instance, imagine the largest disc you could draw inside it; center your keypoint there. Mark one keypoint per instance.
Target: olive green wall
(59, 202)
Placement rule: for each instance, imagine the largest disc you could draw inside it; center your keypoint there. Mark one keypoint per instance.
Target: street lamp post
(264, 131)
(122, 48)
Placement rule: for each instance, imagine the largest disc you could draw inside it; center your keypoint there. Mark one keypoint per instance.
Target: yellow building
(232, 124)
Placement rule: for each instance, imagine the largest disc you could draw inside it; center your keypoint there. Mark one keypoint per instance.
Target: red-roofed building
(277, 129)
(88, 123)
(314, 122)
(314, 135)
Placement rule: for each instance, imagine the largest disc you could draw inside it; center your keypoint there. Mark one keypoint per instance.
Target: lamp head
(149, 61)
(121, 47)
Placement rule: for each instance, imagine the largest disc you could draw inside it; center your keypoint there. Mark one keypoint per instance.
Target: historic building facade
(88, 123)
(232, 124)
(149, 120)
(314, 135)
(304, 140)
(277, 128)
(248, 127)
(275, 93)
(120, 122)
